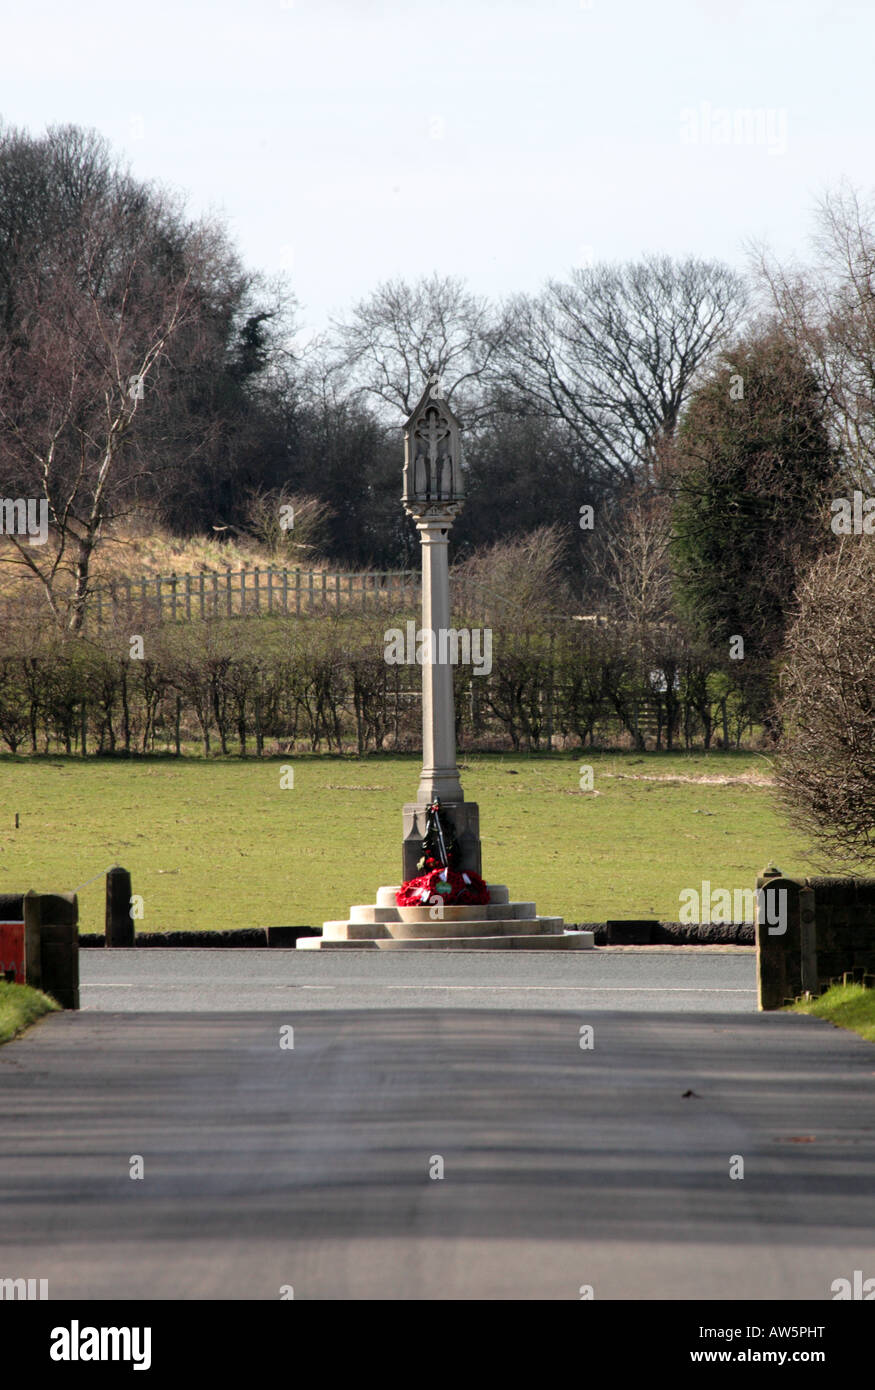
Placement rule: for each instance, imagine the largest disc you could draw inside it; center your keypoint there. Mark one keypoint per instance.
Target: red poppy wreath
(447, 886)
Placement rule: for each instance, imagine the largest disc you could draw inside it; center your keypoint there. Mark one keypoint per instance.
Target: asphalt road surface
(151, 978)
(315, 1166)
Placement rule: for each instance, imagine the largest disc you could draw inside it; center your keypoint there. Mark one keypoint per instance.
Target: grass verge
(20, 1006)
(847, 1006)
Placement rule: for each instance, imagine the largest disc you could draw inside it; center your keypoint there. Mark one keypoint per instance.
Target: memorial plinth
(498, 924)
(433, 496)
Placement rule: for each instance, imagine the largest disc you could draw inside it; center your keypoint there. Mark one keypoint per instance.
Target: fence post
(297, 593)
(550, 697)
(230, 608)
(270, 589)
(188, 598)
(119, 922)
(201, 592)
(285, 591)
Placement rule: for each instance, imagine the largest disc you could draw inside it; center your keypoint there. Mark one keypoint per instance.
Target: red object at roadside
(12, 951)
(448, 886)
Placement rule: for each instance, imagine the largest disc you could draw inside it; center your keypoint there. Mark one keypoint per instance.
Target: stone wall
(830, 934)
(650, 932)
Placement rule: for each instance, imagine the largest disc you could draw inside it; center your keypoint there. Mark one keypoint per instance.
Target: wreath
(447, 886)
(440, 880)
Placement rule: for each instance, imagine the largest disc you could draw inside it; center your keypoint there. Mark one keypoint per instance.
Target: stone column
(440, 773)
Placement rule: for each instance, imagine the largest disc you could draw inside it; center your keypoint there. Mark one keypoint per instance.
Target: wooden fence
(237, 593)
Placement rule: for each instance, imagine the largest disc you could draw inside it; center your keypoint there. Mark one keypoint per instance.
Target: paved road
(154, 978)
(310, 1166)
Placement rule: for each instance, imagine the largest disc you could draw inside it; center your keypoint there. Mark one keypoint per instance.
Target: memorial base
(496, 925)
(465, 819)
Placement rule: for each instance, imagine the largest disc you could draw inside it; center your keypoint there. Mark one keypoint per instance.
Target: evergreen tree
(753, 473)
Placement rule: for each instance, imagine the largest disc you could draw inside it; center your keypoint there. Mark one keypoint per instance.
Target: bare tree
(396, 339)
(826, 761)
(829, 311)
(519, 581)
(614, 351)
(634, 565)
(97, 317)
(139, 361)
(289, 525)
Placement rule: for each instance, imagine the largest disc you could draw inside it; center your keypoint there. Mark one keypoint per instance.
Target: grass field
(220, 844)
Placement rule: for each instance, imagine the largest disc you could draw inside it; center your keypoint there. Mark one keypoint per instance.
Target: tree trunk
(126, 713)
(82, 572)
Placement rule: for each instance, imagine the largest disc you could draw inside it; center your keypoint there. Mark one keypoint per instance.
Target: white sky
(349, 141)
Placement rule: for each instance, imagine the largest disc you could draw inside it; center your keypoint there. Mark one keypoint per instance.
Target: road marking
(200, 983)
(476, 989)
(603, 989)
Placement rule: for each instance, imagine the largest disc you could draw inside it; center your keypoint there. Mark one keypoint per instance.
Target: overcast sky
(350, 141)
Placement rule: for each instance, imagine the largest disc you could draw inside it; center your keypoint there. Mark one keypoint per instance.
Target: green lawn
(847, 1006)
(19, 1007)
(220, 844)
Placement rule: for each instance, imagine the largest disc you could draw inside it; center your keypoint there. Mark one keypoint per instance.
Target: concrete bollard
(119, 922)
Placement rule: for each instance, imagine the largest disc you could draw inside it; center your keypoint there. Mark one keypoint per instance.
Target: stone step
(481, 912)
(568, 941)
(367, 912)
(403, 931)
